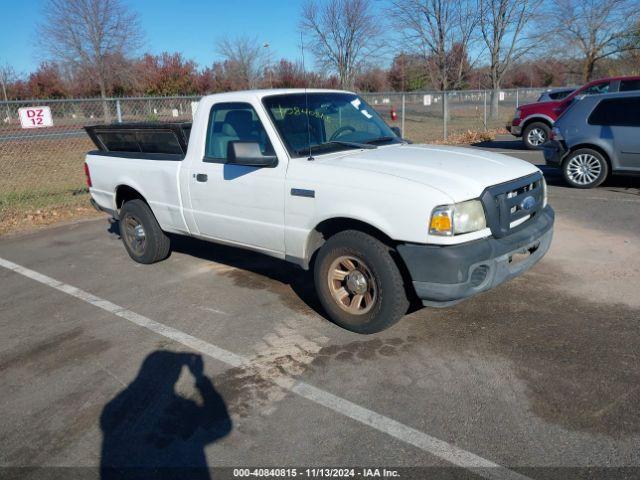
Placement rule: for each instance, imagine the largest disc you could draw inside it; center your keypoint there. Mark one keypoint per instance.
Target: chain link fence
(42, 167)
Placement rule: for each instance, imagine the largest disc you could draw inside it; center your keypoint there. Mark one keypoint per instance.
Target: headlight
(544, 192)
(465, 217)
(517, 114)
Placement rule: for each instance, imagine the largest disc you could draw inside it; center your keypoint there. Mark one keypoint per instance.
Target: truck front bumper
(514, 130)
(445, 275)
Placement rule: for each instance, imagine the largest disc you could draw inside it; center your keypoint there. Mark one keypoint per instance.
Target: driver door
(237, 203)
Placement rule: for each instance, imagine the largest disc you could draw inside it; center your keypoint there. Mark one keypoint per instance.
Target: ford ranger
(317, 178)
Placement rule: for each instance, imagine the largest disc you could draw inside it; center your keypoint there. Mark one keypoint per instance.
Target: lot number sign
(35, 117)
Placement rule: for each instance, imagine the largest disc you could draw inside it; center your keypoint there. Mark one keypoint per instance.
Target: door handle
(201, 177)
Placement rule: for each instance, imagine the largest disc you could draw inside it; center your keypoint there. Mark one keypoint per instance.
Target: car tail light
(87, 174)
(555, 134)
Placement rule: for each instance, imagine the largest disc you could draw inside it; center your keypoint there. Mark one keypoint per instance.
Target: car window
(229, 122)
(559, 95)
(617, 112)
(629, 85)
(596, 89)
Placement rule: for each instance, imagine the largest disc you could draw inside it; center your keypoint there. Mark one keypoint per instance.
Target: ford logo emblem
(528, 203)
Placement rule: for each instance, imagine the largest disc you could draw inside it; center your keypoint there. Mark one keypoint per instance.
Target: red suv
(533, 122)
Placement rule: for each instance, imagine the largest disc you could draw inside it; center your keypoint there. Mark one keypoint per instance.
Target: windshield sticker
(294, 111)
(356, 103)
(366, 114)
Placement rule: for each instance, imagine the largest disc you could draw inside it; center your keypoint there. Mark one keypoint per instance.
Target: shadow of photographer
(151, 431)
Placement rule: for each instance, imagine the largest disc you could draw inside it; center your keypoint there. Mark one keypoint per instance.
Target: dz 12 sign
(35, 117)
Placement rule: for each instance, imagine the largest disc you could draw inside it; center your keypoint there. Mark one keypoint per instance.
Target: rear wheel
(359, 283)
(535, 135)
(141, 234)
(585, 168)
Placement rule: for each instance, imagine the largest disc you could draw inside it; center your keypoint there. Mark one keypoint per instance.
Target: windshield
(337, 121)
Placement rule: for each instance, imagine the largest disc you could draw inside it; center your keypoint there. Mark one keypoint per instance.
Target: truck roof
(272, 91)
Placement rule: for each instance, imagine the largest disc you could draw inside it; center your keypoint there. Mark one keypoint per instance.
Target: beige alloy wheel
(352, 285)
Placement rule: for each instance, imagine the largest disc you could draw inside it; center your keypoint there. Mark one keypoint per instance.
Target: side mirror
(249, 154)
(397, 131)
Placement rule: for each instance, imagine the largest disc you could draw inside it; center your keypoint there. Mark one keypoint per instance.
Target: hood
(540, 105)
(461, 173)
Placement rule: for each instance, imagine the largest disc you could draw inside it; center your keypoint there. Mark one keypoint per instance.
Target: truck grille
(511, 205)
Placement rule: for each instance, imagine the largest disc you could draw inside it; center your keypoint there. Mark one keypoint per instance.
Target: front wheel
(585, 168)
(141, 234)
(535, 135)
(359, 284)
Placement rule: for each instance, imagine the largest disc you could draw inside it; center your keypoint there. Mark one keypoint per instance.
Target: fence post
(445, 111)
(402, 121)
(118, 111)
(485, 111)
(517, 99)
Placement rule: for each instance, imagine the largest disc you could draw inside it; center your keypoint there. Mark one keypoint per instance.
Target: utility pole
(4, 92)
(266, 46)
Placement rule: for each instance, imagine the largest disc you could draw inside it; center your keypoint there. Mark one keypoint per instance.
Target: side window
(617, 112)
(230, 122)
(597, 88)
(629, 85)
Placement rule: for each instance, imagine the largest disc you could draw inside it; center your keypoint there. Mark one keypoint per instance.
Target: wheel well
(538, 120)
(598, 149)
(124, 193)
(327, 228)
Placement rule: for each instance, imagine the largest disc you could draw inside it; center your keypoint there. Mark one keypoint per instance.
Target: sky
(188, 26)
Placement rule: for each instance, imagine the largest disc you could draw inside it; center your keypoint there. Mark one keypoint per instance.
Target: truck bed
(153, 141)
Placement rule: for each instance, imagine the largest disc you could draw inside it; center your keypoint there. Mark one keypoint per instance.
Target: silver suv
(596, 136)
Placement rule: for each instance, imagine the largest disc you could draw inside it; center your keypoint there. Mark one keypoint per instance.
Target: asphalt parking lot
(220, 357)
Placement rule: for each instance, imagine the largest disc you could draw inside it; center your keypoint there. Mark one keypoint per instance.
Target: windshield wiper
(382, 139)
(323, 146)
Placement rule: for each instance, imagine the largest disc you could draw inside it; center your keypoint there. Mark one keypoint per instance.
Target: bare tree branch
(591, 29)
(343, 35)
(435, 29)
(502, 23)
(87, 34)
(246, 58)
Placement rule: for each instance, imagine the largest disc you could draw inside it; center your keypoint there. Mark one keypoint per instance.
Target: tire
(535, 135)
(383, 298)
(585, 168)
(141, 234)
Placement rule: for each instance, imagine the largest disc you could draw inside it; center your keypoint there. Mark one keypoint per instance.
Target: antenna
(306, 99)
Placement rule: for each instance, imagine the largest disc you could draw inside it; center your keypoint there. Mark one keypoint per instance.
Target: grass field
(41, 180)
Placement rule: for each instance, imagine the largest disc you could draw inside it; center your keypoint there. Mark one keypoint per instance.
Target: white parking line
(434, 446)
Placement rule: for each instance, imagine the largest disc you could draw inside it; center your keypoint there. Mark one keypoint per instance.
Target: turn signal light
(440, 223)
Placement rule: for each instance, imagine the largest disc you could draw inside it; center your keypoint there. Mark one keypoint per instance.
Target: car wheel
(359, 284)
(585, 168)
(535, 135)
(141, 234)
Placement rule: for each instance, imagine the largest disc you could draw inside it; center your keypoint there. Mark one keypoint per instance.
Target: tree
(440, 32)
(593, 29)
(502, 23)
(87, 34)
(286, 74)
(407, 73)
(342, 35)
(245, 59)
(167, 74)
(372, 80)
(47, 82)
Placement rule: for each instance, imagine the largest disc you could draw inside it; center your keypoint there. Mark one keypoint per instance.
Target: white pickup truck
(317, 178)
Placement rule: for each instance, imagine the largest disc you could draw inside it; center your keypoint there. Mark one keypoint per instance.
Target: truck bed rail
(146, 138)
